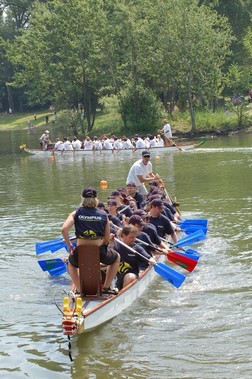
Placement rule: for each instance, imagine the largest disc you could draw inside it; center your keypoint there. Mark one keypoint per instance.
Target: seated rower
(91, 228)
(134, 194)
(131, 263)
(161, 222)
(148, 234)
(113, 216)
(121, 208)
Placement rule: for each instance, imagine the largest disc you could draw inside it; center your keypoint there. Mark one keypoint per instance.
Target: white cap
(47, 131)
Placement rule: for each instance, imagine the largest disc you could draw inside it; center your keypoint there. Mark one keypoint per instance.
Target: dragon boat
(92, 307)
(178, 147)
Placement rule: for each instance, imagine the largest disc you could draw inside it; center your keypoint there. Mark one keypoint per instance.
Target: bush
(140, 109)
(70, 123)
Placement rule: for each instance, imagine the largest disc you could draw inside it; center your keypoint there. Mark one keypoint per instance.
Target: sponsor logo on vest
(89, 218)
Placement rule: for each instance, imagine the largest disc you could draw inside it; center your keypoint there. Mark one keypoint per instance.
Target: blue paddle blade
(192, 229)
(51, 264)
(202, 222)
(192, 252)
(197, 236)
(188, 255)
(42, 247)
(57, 271)
(172, 276)
(53, 245)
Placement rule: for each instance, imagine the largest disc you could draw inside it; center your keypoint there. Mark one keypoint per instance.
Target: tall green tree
(14, 16)
(194, 42)
(61, 55)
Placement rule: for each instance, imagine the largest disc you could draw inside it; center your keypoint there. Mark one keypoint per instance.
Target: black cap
(112, 202)
(141, 213)
(101, 205)
(153, 183)
(157, 203)
(121, 189)
(89, 192)
(136, 219)
(115, 193)
(131, 184)
(145, 153)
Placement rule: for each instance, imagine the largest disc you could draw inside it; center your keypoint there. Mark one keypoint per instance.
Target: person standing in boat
(141, 172)
(44, 140)
(131, 263)
(167, 133)
(91, 228)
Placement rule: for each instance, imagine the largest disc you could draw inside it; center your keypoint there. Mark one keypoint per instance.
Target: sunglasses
(146, 156)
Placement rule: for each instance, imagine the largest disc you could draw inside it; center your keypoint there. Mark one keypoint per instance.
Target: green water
(200, 331)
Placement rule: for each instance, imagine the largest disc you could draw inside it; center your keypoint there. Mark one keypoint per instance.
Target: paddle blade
(202, 222)
(51, 264)
(42, 247)
(57, 271)
(191, 256)
(172, 276)
(181, 260)
(193, 228)
(197, 236)
(192, 253)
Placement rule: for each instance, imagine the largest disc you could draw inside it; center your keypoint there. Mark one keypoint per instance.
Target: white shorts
(142, 190)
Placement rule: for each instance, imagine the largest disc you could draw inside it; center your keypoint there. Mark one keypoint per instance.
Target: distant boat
(169, 149)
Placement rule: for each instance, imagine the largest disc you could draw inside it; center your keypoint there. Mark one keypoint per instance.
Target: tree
(65, 62)
(14, 16)
(195, 43)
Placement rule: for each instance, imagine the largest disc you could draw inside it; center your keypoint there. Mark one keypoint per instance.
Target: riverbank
(208, 123)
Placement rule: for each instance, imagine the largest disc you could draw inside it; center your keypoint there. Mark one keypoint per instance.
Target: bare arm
(148, 178)
(106, 237)
(68, 224)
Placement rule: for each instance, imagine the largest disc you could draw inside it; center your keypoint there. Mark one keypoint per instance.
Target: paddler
(141, 173)
(91, 228)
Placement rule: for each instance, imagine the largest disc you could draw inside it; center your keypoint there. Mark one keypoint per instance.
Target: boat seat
(90, 273)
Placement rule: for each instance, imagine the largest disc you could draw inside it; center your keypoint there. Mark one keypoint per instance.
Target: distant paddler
(168, 135)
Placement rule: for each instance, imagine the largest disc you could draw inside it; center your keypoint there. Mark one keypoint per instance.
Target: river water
(201, 331)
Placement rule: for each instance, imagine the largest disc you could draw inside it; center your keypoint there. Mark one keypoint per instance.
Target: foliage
(237, 80)
(239, 107)
(70, 122)
(73, 53)
(140, 108)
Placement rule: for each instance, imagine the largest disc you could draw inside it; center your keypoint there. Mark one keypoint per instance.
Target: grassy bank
(109, 122)
(21, 120)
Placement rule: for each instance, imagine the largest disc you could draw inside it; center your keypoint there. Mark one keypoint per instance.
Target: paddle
(179, 259)
(172, 276)
(197, 236)
(193, 228)
(168, 196)
(124, 209)
(53, 245)
(55, 267)
(191, 253)
(189, 222)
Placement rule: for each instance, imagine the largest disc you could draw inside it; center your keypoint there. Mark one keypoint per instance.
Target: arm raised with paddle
(172, 276)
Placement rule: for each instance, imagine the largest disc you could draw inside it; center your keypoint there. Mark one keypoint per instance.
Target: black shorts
(120, 277)
(107, 256)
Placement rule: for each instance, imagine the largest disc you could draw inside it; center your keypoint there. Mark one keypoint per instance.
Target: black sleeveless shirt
(90, 223)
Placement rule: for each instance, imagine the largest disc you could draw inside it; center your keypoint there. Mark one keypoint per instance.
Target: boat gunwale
(187, 145)
(113, 297)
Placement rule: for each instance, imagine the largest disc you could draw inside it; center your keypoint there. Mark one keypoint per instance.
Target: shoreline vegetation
(221, 122)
